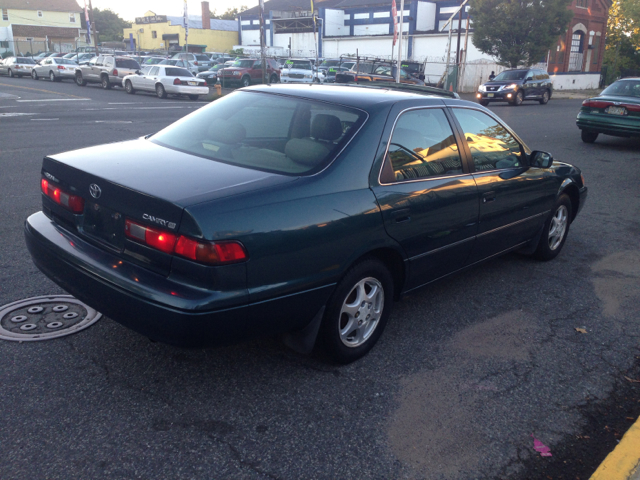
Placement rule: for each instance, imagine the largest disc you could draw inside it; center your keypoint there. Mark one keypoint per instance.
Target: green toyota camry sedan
(299, 210)
(616, 111)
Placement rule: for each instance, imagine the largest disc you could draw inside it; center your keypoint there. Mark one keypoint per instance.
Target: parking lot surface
(469, 368)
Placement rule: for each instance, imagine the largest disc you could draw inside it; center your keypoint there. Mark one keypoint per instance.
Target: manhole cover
(42, 318)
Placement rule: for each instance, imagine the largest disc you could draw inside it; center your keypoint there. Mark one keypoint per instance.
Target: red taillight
(195, 63)
(115, 71)
(60, 67)
(70, 202)
(596, 103)
(211, 253)
(158, 239)
(177, 81)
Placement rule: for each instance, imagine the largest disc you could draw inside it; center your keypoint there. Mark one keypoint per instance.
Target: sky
(129, 9)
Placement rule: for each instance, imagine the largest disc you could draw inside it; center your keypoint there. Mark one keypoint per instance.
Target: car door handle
(402, 215)
(488, 197)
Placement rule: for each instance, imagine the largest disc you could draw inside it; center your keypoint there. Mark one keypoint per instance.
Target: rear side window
(27, 61)
(177, 72)
(492, 146)
(422, 146)
(126, 63)
(273, 133)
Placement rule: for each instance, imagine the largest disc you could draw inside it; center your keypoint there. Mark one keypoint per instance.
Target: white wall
(375, 46)
(302, 44)
(430, 46)
(426, 16)
(575, 81)
(371, 29)
(334, 23)
(251, 37)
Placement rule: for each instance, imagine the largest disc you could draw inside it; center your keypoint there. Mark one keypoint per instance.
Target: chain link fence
(28, 48)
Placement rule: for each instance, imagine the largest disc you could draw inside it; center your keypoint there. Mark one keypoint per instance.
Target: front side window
(422, 146)
(273, 133)
(154, 71)
(492, 146)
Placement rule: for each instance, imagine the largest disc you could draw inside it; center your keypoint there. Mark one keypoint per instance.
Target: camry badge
(95, 190)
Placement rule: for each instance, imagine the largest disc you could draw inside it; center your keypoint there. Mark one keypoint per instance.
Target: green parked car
(616, 111)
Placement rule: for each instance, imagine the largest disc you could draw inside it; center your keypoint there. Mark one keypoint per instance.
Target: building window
(5, 14)
(72, 17)
(4, 43)
(582, 3)
(154, 34)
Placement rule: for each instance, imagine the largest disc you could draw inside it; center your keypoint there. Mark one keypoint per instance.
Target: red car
(247, 71)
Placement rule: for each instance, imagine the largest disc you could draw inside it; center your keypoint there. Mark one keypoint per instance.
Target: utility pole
(95, 30)
(399, 64)
(262, 45)
(186, 29)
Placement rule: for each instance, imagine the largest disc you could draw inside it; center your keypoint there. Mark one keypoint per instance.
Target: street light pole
(262, 43)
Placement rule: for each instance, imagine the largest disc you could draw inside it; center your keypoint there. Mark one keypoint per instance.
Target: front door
(513, 198)
(428, 199)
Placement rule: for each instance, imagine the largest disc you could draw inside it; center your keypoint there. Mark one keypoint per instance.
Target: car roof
(354, 95)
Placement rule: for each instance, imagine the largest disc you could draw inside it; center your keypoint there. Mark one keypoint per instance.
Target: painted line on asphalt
(58, 100)
(38, 90)
(43, 119)
(15, 114)
(624, 461)
(113, 121)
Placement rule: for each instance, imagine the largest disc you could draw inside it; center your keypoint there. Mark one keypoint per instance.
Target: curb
(623, 463)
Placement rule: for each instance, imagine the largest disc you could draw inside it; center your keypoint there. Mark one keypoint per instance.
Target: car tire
(52, 77)
(484, 103)
(160, 91)
(545, 98)
(555, 230)
(10, 73)
(273, 79)
(357, 312)
(128, 86)
(106, 84)
(588, 136)
(80, 81)
(246, 81)
(34, 74)
(194, 97)
(517, 101)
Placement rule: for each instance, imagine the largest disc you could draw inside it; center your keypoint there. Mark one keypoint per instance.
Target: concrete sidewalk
(624, 462)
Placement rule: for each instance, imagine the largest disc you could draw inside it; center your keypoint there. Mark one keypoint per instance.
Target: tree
(229, 14)
(518, 32)
(623, 40)
(109, 25)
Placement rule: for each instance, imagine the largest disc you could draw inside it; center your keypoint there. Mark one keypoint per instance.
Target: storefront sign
(152, 19)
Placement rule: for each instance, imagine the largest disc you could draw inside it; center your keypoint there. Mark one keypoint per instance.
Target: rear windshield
(177, 72)
(203, 57)
(623, 88)
(330, 63)
(64, 61)
(512, 75)
(272, 133)
(153, 60)
(125, 63)
(28, 61)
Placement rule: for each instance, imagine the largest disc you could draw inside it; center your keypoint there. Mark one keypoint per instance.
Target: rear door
(513, 198)
(427, 196)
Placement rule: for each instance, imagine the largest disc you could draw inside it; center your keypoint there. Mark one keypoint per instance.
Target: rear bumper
(186, 90)
(158, 307)
(609, 124)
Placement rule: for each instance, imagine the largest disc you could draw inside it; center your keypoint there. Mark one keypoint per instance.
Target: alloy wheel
(361, 312)
(558, 227)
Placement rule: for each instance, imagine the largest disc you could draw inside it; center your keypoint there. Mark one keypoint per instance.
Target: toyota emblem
(95, 190)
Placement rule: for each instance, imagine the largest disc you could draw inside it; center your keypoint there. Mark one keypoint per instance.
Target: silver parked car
(166, 80)
(200, 60)
(55, 68)
(17, 66)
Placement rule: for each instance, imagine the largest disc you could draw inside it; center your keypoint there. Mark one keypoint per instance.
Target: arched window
(577, 49)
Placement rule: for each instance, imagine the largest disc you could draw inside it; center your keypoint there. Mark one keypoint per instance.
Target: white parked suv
(166, 80)
(298, 71)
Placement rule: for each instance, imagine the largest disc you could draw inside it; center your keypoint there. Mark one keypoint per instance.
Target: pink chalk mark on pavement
(538, 446)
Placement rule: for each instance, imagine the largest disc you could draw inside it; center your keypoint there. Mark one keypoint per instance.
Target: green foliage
(229, 14)
(621, 56)
(109, 25)
(518, 32)
(7, 54)
(237, 51)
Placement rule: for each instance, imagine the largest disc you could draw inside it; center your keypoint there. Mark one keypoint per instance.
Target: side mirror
(138, 72)
(540, 159)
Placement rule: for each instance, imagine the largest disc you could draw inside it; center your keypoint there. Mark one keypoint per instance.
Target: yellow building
(163, 32)
(32, 26)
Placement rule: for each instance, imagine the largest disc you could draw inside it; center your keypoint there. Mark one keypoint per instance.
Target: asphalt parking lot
(467, 371)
